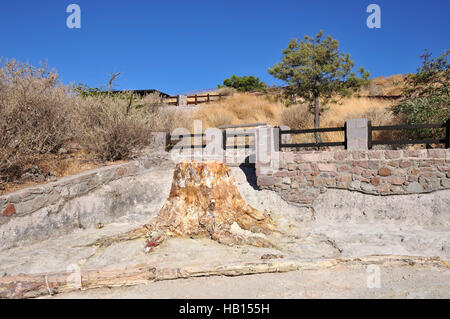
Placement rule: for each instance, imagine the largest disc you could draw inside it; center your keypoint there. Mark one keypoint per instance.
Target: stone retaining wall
(303, 175)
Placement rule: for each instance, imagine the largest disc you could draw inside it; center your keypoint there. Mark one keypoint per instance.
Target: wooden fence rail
(307, 131)
(431, 140)
(197, 98)
(225, 136)
(371, 142)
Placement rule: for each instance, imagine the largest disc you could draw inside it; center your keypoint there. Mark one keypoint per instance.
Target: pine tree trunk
(316, 117)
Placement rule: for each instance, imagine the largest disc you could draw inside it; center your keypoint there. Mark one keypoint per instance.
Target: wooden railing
(371, 129)
(433, 140)
(308, 131)
(196, 98)
(226, 135)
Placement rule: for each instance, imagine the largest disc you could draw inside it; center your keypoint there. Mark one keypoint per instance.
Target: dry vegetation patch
(40, 117)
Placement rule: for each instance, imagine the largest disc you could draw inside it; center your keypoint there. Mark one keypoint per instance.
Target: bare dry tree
(111, 80)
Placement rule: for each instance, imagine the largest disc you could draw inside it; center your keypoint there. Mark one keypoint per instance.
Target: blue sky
(178, 45)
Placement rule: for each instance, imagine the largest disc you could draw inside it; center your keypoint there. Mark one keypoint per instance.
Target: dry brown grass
(239, 109)
(385, 86)
(247, 108)
(374, 110)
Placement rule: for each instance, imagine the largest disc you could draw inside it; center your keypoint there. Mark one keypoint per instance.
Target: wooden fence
(248, 135)
(225, 140)
(432, 140)
(307, 131)
(196, 99)
(371, 142)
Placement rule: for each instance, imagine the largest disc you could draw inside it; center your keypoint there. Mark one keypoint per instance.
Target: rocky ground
(331, 244)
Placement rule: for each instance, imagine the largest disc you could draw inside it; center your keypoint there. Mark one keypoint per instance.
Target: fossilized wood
(203, 202)
(35, 285)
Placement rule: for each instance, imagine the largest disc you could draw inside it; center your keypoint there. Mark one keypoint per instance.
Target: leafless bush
(35, 114)
(111, 128)
(153, 100)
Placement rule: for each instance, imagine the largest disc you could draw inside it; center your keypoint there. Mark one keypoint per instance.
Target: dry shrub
(153, 100)
(38, 115)
(35, 115)
(111, 128)
(227, 91)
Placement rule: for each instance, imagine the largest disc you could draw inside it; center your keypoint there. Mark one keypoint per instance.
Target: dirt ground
(345, 229)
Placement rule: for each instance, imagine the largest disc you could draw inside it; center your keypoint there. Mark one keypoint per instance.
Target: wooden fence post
(196, 99)
(345, 135)
(447, 134)
(278, 147)
(224, 139)
(208, 98)
(369, 135)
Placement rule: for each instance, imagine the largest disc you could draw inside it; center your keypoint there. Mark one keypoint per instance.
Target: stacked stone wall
(301, 176)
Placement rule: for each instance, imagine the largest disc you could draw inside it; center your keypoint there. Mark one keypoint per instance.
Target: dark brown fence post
(168, 141)
(447, 134)
(224, 139)
(345, 135)
(278, 148)
(196, 99)
(208, 98)
(369, 135)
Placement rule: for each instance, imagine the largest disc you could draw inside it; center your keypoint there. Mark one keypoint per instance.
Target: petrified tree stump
(204, 202)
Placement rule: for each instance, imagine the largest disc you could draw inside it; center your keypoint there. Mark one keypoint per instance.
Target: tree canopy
(318, 72)
(426, 93)
(244, 83)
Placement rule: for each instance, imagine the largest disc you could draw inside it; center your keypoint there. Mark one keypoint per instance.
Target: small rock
(355, 185)
(384, 171)
(445, 182)
(367, 187)
(62, 151)
(376, 181)
(9, 210)
(414, 188)
(271, 256)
